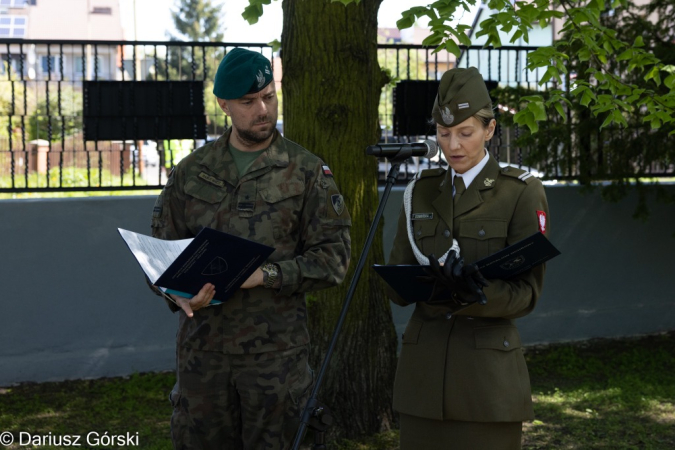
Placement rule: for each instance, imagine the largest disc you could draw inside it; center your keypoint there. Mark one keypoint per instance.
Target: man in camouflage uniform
(242, 370)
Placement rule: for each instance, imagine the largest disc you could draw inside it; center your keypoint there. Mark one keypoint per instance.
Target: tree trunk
(331, 89)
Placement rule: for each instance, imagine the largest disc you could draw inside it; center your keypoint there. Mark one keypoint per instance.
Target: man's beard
(255, 137)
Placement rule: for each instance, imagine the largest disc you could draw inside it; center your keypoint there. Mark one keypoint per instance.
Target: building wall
(74, 19)
(75, 303)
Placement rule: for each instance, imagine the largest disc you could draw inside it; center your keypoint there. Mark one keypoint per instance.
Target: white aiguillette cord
(407, 205)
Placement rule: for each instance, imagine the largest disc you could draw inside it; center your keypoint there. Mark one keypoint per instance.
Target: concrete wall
(75, 304)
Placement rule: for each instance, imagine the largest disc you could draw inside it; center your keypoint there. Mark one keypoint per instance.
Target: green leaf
(452, 47)
(405, 22)
(275, 44)
(561, 110)
(538, 110)
(639, 42)
(670, 81)
(608, 121)
(252, 13)
(586, 98)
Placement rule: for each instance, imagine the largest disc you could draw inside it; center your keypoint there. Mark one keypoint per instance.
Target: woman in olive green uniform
(462, 382)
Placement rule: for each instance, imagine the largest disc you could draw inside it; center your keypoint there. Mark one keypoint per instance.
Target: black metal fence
(105, 115)
(116, 115)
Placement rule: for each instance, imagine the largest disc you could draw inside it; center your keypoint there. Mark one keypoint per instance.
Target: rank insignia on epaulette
(338, 203)
(326, 171)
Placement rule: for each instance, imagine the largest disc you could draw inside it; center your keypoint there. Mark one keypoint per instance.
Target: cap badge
(447, 116)
(261, 79)
(488, 182)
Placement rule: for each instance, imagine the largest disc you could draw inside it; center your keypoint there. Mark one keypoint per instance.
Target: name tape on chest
(210, 179)
(423, 216)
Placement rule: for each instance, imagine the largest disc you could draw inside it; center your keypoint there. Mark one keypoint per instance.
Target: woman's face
(463, 144)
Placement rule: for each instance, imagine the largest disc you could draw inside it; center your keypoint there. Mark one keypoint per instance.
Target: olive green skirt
(419, 433)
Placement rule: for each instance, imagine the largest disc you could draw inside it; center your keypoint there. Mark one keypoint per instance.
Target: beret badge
(448, 118)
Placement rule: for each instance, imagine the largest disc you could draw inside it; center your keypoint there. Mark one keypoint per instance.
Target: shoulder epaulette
(514, 172)
(426, 173)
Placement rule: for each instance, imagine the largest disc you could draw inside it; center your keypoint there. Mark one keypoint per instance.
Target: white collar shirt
(472, 173)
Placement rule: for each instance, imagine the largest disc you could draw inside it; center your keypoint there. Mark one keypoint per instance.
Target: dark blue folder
(214, 257)
(504, 264)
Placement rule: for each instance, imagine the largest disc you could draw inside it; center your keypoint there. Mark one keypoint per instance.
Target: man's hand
(202, 299)
(256, 279)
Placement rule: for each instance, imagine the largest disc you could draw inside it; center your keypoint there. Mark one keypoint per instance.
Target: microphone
(402, 151)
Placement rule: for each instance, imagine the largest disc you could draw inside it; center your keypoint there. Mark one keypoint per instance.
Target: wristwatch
(270, 274)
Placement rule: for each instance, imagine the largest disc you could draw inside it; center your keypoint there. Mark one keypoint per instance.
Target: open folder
(504, 264)
(184, 266)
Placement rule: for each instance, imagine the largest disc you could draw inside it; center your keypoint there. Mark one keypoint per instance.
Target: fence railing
(58, 98)
(53, 105)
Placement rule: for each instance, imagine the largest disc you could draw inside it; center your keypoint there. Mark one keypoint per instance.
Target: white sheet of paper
(154, 255)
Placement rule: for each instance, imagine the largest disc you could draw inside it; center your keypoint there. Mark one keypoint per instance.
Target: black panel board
(121, 110)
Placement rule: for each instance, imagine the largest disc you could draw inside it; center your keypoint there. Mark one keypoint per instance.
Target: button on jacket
(469, 365)
(286, 200)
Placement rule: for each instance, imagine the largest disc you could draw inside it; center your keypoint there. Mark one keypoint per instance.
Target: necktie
(458, 183)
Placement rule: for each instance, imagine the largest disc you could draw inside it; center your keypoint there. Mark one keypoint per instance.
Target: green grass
(601, 394)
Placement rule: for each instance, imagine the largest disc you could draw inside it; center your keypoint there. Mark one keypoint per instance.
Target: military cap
(461, 94)
(241, 72)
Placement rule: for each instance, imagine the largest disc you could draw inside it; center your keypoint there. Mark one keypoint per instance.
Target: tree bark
(331, 90)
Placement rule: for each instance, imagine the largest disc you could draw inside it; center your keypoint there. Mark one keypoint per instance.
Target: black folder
(214, 257)
(504, 264)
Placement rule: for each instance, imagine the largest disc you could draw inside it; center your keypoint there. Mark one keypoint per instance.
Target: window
(79, 66)
(50, 62)
(102, 10)
(13, 26)
(13, 3)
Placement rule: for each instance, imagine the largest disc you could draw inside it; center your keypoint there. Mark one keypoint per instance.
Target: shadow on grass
(604, 394)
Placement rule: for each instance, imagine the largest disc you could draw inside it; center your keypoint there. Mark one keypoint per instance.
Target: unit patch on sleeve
(338, 203)
(326, 171)
(541, 219)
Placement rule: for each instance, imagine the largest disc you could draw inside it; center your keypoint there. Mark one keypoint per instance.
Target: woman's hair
(485, 115)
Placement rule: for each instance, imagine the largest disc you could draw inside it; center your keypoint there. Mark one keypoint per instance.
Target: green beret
(241, 72)
(461, 94)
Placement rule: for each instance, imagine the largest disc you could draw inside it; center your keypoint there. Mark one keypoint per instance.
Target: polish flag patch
(541, 220)
(327, 172)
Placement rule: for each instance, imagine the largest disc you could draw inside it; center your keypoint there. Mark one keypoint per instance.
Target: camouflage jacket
(287, 200)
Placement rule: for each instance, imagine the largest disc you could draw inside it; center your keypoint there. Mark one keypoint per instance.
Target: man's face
(253, 116)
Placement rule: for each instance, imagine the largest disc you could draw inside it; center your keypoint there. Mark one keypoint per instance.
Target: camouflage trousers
(233, 402)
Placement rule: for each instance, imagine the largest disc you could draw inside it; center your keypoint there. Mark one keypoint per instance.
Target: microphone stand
(316, 415)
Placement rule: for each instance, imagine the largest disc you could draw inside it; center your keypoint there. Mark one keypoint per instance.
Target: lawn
(599, 394)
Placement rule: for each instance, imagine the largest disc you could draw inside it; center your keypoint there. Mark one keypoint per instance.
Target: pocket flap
(483, 229)
(282, 191)
(424, 228)
(203, 191)
(505, 338)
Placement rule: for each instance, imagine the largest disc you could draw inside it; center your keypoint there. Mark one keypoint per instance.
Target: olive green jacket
(469, 365)
(286, 200)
